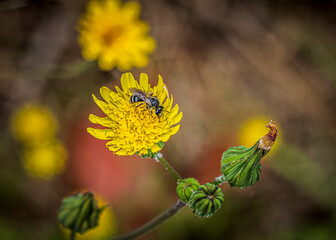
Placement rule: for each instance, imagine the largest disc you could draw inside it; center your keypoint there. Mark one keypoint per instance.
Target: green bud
(241, 165)
(185, 188)
(79, 212)
(206, 200)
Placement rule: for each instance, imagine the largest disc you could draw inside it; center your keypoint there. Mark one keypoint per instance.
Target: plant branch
(151, 225)
(159, 158)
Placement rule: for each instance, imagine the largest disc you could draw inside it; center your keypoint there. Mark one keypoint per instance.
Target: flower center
(111, 35)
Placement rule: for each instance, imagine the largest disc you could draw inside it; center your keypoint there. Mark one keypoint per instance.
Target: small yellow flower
(133, 127)
(33, 122)
(45, 159)
(113, 33)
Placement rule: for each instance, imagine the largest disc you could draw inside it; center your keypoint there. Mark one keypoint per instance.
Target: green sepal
(149, 154)
(185, 188)
(79, 212)
(206, 200)
(241, 165)
(160, 144)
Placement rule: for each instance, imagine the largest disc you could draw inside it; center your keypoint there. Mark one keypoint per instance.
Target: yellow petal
(119, 91)
(155, 148)
(165, 137)
(166, 104)
(174, 130)
(170, 103)
(103, 134)
(143, 151)
(112, 148)
(160, 81)
(121, 152)
(105, 121)
(144, 82)
(173, 112)
(127, 81)
(103, 106)
(177, 118)
(106, 94)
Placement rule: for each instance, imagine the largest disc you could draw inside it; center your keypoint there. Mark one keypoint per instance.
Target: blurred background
(231, 66)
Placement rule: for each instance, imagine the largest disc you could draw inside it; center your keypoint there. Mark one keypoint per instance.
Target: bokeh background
(231, 66)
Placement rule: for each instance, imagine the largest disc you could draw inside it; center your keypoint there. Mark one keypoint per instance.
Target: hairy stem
(219, 180)
(151, 225)
(159, 158)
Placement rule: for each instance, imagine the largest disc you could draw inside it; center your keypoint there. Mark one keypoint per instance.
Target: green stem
(219, 180)
(151, 225)
(72, 235)
(159, 158)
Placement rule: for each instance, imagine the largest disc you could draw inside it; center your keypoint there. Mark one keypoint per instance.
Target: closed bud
(79, 212)
(241, 165)
(206, 200)
(185, 188)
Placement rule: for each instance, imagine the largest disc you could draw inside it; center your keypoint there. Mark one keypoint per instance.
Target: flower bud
(80, 212)
(206, 200)
(185, 188)
(241, 165)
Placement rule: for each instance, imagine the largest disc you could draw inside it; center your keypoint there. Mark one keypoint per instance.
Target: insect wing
(140, 94)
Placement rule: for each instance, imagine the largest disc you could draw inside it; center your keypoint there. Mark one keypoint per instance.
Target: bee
(151, 102)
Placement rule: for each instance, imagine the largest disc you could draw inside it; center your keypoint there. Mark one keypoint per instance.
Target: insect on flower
(152, 102)
(128, 126)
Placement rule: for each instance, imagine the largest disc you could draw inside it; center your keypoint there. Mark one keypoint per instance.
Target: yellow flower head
(33, 122)
(113, 33)
(135, 127)
(45, 160)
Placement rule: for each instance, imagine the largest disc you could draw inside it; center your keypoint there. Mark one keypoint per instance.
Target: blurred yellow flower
(252, 129)
(45, 159)
(112, 33)
(33, 122)
(106, 224)
(133, 127)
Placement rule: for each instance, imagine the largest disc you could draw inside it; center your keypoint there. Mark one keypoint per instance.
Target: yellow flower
(113, 33)
(33, 122)
(45, 159)
(133, 127)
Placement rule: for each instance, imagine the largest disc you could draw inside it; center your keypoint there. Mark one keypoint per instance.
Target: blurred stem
(219, 180)
(151, 225)
(72, 235)
(76, 69)
(159, 158)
